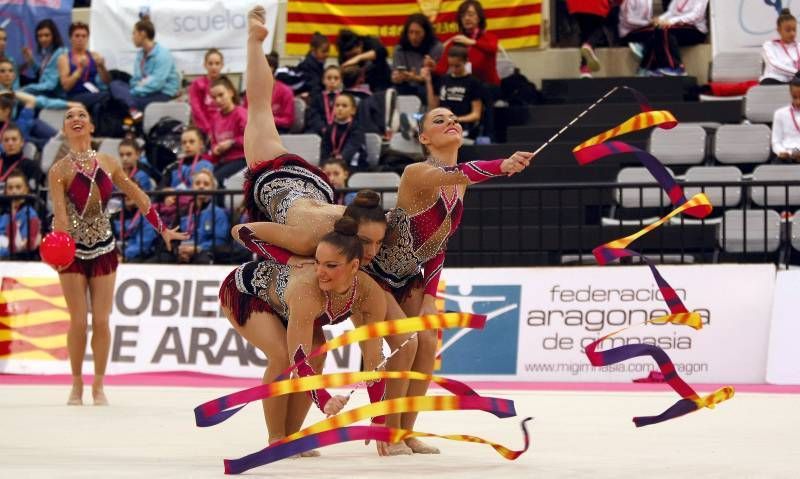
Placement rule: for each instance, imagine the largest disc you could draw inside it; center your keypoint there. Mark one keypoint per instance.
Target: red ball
(58, 249)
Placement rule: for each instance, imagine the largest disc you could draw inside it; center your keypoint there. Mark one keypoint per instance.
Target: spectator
(193, 158)
(458, 91)
(313, 65)
(135, 235)
(204, 109)
(344, 140)
(418, 48)
(83, 73)
(282, 99)
(320, 112)
(786, 126)
(591, 17)
(338, 174)
(4, 56)
(368, 53)
(8, 103)
(682, 24)
(780, 65)
(20, 226)
(129, 155)
(353, 82)
(33, 129)
(208, 226)
(13, 157)
(154, 75)
(227, 130)
(482, 44)
(636, 24)
(42, 72)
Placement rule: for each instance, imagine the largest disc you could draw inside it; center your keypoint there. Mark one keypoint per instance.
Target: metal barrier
(560, 223)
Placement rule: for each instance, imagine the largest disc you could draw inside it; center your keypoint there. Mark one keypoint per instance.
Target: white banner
(540, 319)
(783, 362)
(165, 318)
(743, 24)
(186, 27)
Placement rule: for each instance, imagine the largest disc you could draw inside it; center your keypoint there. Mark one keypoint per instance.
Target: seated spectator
(591, 17)
(344, 140)
(320, 111)
(83, 73)
(5, 56)
(23, 110)
(40, 75)
(282, 99)
(353, 82)
(368, 53)
(338, 174)
(782, 56)
(682, 24)
(786, 126)
(154, 75)
(13, 158)
(227, 130)
(135, 236)
(192, 158)
(313, 65)
(20, 226)
(130, 154)
(458, 91)
(203, 106)
(208, 226)
(482, 44)
(418, 48)
(635, 24)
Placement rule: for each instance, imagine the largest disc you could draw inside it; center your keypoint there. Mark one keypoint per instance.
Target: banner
(186, 27)
(165, 318)
(783, 362)
(19, 20)
(517, 23)
(540, 319)
(743, 24)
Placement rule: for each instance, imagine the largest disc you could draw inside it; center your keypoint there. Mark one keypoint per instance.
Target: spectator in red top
(591, 16)
(227, 130)
(203, 106)
(482, 44)
(282, 99)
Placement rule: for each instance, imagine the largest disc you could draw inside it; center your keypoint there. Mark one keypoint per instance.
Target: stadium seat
(54, 118)
(235, 182)
(408, 104)
(776, 196)
(682, 145)
(110, 146)
(305, 145)
(737, 144)
(49, 153)
(795, 225)
(761, 102)
(737, 65)
(732, 195)
(299, 123)
(377, 181)
(158, 110)
(639, 197)
(756, 231)
(373, 148)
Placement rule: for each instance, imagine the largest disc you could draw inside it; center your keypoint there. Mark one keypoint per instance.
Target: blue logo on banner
(492, 350)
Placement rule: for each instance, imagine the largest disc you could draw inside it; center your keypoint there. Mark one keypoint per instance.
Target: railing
(560, 223)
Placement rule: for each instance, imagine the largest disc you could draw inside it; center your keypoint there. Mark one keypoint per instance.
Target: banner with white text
(744, 24)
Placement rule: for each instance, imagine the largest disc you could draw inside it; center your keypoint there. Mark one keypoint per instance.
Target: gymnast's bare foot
(76, 394)
(99, 396)
(257, 28)
(398, 449)
(420, 447)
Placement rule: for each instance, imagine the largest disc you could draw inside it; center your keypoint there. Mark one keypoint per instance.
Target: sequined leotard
(87, 221)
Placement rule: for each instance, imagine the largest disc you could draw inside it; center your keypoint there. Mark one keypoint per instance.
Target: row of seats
(687, 144)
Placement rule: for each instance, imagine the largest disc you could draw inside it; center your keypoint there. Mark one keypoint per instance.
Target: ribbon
(698, 206)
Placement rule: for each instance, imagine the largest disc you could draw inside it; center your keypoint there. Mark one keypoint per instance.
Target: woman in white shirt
(636, 25)
(684, 23)
(786, 126)
(782, 56)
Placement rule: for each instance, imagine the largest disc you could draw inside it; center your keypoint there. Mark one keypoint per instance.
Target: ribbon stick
(698, 206)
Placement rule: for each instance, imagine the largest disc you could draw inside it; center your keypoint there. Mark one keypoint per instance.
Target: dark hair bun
(346, 226)
(367, 199)
(786, 11)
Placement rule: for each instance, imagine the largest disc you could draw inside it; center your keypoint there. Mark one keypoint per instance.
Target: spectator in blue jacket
(154, 75)
(20, 226)
(41, 71)
(135, 235)
(5, 56)
(129, 154)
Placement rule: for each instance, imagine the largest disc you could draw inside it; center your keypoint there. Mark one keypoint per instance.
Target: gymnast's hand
(383, 446)
(334, 405)
(516, 162)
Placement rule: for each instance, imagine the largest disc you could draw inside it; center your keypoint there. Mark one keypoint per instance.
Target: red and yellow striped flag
(516, 23)
(33, 319)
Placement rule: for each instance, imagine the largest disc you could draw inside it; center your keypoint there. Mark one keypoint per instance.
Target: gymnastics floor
(578, 431)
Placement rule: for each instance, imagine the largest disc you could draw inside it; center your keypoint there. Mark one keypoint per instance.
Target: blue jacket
(24, 119)
(186, 172)
(159, 73)
(139, 236)
(143, 180)
(27, 222)
(213, 227)
(49, 83)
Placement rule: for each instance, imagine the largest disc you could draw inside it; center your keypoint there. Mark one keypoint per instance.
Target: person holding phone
(418, 48)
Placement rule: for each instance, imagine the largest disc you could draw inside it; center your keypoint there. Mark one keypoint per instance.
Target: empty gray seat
(776, 196)
(373, 148)
(736, 144)
(761, 102)
(299, 123)
(682, 145)
(54, 118)
(727, 199)
(110, 146)
(756, 231)
(305, 145)
(408, 104)
(235, 182)
(633, 197)
(737, 65)
(378, 180)
(796, 230)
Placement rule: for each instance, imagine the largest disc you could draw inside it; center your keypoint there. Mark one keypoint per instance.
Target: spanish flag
(517, 23)
(33, 319)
